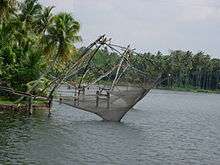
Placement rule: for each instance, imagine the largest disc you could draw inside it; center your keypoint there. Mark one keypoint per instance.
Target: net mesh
(126, 85)
(100, 100)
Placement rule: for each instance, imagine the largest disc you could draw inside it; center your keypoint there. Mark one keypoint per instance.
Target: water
(165, 128)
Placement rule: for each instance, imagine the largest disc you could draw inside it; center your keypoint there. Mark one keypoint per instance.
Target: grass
(39, 102)
(7, 101)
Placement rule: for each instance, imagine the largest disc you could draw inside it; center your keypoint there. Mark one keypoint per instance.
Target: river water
(164, 128)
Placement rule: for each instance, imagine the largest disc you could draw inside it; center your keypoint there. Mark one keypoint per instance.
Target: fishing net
(111, 101)
(114, 90)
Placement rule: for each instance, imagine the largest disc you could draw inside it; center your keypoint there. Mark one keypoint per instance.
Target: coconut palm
(61, 37)
(6, 8)
(30, 9)
(44, 20)
(6, 35)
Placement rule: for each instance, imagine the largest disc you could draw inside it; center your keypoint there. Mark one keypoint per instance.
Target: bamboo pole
(119, 67)
(30, 105)
(69, 68)
(23, 94)
(87, 66)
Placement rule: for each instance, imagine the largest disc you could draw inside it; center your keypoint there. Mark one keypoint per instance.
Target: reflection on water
(164, 128)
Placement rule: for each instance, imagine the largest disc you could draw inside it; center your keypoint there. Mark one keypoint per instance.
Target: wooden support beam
(97, 98)
(108, 100)
(119, 67)
(50, 103)
(10, 90)
(30, 105)
(60, 100)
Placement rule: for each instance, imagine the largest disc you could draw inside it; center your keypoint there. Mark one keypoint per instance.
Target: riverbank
(180, 89)
(21, 108)
(10, 105)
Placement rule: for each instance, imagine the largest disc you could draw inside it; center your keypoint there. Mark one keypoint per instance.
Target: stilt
(50, 105)
(30, 105)
(79, 92)
(108, 99)
(97, 98)
(83, 90)
(60, 100)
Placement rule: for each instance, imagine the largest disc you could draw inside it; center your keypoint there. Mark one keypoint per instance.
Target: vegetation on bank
(181, 69)
(6, 101)
(36, 44)
(11, 101)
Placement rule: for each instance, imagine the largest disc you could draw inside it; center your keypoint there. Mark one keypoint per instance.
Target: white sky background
(149, 25)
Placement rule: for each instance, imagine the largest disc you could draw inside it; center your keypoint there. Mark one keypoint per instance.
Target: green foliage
(34, 42)
(8, 56)
(61, 35)
(185, 69)
(180, 69)
(7, 7)
(39, 86)
(27, 30)
(5, 101)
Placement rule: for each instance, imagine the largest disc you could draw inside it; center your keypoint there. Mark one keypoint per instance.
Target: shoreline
(7, 105)
(190, 90)
(8, 102)
(22, 108)
(182, 89)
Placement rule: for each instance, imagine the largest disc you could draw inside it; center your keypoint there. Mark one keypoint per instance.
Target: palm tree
(6, 35)
(61, 37)
(30, 9)
(6, 8)
(44, 20)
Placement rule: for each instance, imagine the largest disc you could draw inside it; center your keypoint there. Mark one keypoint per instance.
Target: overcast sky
(149, 25)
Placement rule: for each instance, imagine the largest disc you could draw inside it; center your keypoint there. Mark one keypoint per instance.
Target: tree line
(183, 69)
(180, 69)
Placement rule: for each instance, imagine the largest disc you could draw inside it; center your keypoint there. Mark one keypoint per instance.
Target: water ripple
(165, 128)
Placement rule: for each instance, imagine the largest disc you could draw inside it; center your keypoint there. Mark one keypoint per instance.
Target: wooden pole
(50, 105)
(88, 64)
(30, 105)
(83, 90)
(61, 100)
(119, 67)
(97, 98)
(108, 99)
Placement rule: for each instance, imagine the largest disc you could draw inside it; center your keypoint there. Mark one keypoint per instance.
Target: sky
(148, 25)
